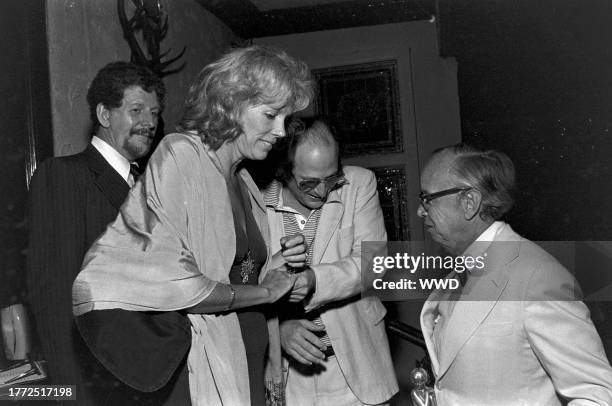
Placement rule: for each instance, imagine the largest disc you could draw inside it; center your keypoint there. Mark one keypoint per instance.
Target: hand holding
(304, 285)
(294, 250)
(299, 340)
(278, 282)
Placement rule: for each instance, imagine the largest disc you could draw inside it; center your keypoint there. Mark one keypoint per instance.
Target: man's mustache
(145, 132)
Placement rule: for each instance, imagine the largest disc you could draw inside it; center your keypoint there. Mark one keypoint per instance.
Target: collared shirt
(483, 242)
(274, 198)
(114, 158)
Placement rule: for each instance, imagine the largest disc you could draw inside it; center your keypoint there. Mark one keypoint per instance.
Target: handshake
(290, 270)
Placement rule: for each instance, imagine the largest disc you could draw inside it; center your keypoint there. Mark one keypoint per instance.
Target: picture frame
(361, 102)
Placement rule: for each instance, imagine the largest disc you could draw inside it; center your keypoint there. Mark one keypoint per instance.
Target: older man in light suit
(515, 333)
(334, 340)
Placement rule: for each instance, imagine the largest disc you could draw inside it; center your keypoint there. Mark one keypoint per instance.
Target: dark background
(25, 117)
(535, 81)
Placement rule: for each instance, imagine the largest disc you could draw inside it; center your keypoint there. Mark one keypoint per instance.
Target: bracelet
(233, 294)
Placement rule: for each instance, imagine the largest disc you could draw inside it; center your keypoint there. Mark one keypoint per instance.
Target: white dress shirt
(114, 159)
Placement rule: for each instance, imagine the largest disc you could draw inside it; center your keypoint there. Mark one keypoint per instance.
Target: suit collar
(331, 215)
(106, 179)
(428, 322)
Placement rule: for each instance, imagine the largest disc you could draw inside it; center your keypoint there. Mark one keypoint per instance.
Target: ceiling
(264, 5)
(259, 18)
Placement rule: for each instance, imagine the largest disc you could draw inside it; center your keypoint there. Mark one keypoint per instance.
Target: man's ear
(103, 115)
(471, 202)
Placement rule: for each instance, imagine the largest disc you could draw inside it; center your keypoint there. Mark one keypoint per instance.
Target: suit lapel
(105, 178)
(466, 317)
(478, 297)
(331, 214)
(429, 313)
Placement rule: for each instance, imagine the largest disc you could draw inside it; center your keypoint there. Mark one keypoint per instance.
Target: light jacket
(350, 216)
(173, 241)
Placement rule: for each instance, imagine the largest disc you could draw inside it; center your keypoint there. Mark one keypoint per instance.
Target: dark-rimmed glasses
(427, 198)
(331, 182)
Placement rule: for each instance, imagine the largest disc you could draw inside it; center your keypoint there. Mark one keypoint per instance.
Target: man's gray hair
(490, 172)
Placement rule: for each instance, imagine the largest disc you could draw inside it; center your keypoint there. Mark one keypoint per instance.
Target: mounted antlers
(150, 19)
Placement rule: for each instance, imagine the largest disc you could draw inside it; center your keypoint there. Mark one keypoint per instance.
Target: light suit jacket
(351, 215)
(516, 337)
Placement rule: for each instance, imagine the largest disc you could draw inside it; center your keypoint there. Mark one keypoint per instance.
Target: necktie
(134, 174)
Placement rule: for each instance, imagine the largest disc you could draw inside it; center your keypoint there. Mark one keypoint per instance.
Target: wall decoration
(362, 103)
(150, 20)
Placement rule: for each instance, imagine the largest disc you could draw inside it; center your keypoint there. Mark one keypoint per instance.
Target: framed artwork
(362, 103)
(392, 194)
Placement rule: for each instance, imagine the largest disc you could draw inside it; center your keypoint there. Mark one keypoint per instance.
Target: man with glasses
(515, 332)
(334, 341)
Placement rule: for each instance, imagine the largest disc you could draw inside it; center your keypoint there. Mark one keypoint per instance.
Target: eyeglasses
(426, 198)
(331, 182)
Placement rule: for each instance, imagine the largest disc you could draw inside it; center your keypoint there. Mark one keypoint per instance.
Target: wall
(84, 36)
(535, 81)
(429, 106)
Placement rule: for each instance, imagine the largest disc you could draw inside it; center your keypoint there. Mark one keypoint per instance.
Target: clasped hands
(294, 251)
(289, 270)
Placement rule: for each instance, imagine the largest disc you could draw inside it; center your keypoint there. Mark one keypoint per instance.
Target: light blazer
(351, 215)
(528, 343)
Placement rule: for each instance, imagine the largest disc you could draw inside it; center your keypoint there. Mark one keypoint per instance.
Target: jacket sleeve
(565, 340)
(143, 261)
(343, 278)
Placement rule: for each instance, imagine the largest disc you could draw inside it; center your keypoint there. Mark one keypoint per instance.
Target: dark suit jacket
(72, 199)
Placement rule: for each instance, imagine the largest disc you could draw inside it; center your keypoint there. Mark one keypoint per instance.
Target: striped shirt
(295, 223)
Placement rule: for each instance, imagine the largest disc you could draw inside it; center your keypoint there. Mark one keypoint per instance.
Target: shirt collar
(274, 198)
(482, 243)
(112, 156)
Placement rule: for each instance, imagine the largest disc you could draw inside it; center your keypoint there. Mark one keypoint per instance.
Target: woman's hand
(294, 250)
(278, 282)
